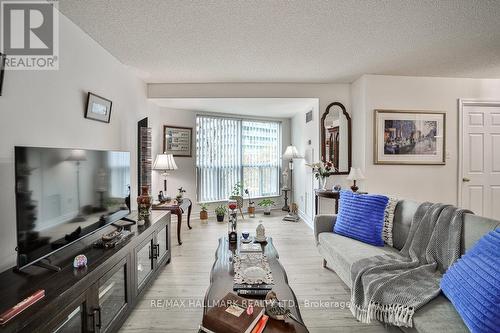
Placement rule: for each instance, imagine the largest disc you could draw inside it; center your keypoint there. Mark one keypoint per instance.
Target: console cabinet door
(71, 319)
(112, 297)
(144, 263)
(162, 244)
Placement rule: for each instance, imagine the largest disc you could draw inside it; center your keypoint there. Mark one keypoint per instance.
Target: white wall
(325, 93)
(185, 176)
(432, 183)
(46, 108)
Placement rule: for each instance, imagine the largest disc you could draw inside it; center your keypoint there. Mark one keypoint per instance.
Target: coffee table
(221, 282)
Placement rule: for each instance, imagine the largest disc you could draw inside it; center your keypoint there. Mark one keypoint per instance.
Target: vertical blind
(119, 168)
(230, 151)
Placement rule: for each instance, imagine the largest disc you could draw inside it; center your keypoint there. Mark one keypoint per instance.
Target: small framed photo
(177, 140)
(98, 108)
(409, 137)
(2, 70)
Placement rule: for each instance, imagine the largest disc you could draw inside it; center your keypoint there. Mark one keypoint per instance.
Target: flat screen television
(63, 195)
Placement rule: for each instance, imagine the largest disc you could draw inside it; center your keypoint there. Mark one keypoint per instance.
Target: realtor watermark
(29, 35)
(197, 303)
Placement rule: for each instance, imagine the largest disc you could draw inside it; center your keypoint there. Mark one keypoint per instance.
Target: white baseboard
(306, 219)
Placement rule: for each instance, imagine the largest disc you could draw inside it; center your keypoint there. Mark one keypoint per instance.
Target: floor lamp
(78, 156)
(164, 163)
(290, 154)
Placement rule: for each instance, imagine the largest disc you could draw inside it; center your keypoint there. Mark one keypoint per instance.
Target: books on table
(230, 315)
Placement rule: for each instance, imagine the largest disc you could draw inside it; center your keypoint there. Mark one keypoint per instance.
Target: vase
(144, 203)
(322, 183)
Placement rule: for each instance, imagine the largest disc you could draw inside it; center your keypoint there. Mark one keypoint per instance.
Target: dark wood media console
(97, 298)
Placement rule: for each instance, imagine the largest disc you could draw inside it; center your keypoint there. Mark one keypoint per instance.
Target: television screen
(63, 195)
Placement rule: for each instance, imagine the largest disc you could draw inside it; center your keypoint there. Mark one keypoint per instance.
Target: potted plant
(204, 212)
(220, 212)
(237, 195)
(251, 204)
(267, 204)
(180, 194)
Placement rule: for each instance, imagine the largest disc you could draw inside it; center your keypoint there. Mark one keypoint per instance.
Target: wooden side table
(178, 209)
(335, 195)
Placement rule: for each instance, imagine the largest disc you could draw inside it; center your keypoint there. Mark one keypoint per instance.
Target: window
(230, 150)
(119, 168)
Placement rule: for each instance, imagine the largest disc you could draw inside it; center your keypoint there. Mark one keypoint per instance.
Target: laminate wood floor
(174, 302)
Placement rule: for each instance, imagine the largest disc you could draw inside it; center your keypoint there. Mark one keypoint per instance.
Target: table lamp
(164, 163)
(290, 154)
(355, 175)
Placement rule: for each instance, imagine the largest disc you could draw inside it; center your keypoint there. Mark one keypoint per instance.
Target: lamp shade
(355, 174)
(77, 155)
(164, 162)
(291, 152)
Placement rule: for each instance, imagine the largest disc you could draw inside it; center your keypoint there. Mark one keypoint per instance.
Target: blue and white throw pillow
(361, 217)
(388, 221)
(472, 284)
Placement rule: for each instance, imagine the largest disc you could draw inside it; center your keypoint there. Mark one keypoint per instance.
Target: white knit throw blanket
(391, 287)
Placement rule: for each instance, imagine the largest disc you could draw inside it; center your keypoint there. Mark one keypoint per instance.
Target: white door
(479, 175)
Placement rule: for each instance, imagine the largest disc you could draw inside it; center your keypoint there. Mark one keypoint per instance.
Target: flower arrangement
(322, 170)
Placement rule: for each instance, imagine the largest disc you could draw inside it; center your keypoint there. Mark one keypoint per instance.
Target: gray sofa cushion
(438, 315)
(344, 251)
(476, 227)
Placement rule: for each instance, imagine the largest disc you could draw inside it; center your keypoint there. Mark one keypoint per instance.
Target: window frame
(241, 120)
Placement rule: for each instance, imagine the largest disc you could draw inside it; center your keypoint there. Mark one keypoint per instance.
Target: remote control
(253, 292)
(237, 287)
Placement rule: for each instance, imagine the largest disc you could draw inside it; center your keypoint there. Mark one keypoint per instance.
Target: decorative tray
(252, 268)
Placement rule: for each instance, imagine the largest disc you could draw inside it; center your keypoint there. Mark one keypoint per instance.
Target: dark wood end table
(178, 209)
(335, 195)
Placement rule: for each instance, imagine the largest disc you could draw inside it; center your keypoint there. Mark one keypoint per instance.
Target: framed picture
(2, 70)
(177, 140)
(98, 108)
(409, 137)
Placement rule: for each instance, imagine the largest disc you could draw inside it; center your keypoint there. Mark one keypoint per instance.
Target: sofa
(340, 252)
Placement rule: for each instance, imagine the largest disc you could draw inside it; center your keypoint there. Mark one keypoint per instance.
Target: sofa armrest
(323, 223)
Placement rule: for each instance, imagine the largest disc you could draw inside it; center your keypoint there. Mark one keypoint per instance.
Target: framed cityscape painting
(177, 140)
(409, 137)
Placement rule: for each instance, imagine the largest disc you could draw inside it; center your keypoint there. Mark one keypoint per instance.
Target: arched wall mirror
(336, 138)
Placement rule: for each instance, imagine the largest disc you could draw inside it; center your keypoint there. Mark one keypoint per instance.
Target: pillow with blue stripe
(472, 284)
(361, 217)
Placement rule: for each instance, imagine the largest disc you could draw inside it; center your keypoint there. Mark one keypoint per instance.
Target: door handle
(465, 180)
(96, 324)
(99, 322)
(157, 251)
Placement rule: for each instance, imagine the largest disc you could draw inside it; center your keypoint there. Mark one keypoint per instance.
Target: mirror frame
(349, 136)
